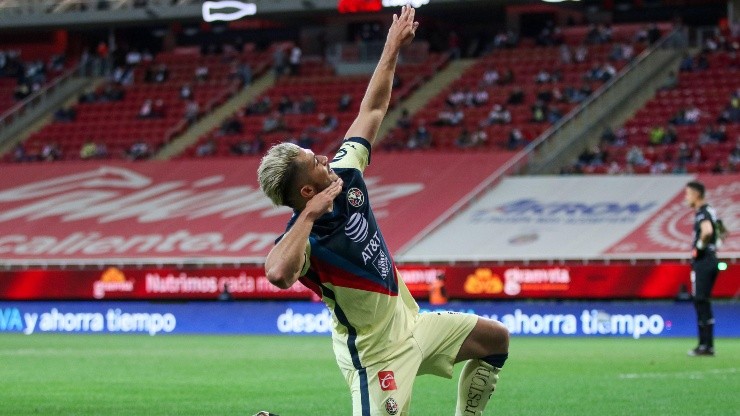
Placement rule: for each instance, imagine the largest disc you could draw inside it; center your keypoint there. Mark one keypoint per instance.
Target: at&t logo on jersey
(387, 380)
(355, 197)
(356, 228)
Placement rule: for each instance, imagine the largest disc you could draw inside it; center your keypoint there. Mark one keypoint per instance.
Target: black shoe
(702, 351)
(265, 413)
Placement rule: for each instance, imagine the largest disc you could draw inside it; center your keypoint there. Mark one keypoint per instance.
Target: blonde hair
(275, 171)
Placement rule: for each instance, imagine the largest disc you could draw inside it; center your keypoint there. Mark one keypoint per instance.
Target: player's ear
(308, 191)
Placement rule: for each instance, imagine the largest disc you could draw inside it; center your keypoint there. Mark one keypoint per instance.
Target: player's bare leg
(485, 350)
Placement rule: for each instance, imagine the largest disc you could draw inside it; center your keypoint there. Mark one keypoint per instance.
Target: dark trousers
(704, 275)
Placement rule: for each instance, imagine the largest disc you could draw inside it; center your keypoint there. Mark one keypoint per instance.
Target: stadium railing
(35, 100)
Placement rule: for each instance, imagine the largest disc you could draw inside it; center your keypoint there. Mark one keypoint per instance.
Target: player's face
(691, 196)
(317, 171)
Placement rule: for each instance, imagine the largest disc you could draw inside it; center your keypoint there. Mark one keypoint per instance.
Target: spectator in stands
(244, 73)
(659, 167)
(653, 34)
(718, 167)
(192, 111)
(731, 113)
(307, 105)
(112, 93)
(453, 45)
(421, 137)
(581, 54)
(456, 98)
(463, 140)
(404, 120)
(20, 154)
(259, 107)
(278, 61)
(702, 62)
(285, 105)
(87, 96)
(345, 101)
(305, 140)
(671, 135)
(657, 134)
(294, 60)
(692, 115)
(516, 97)
(687, 63)
(479, 137)
(718, 134)
(507, 78)
(89, 150)
(553, 114)
(450, 117)
(139, 150)
(539, 112)
(123, 76)
(273, 123)
(22, 91)
(201, 73)
(566, 56)
(65, 114)
(258, 145)
(159, 110)
(683, 155)
(635, 157)
(480, 98)
(240, 148)
(231, 125)
(490, 77)
(516, 139)
(50, 152)
(146, 109)
(186, 92)
(542, 77)
(499, 115)
(133, 57)
(208, 148)
(733, 159)
(327, 123)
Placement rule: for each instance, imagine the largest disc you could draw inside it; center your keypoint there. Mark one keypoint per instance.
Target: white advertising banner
(544, 218)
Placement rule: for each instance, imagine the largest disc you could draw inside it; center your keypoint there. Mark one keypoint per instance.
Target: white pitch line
(680, 374)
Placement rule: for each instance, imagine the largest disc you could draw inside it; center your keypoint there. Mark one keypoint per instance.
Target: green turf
(296, 376)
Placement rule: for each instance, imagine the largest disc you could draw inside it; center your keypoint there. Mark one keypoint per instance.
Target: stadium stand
(143, 105)
(25, 69)
(692, 125)
(512, 95)
(310, 125)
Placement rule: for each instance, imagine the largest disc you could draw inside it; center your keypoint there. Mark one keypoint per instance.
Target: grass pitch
(50, 374)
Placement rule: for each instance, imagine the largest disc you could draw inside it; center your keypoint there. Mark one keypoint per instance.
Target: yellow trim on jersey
(352, 154)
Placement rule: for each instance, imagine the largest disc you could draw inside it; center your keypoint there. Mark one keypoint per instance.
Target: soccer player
(704, 263)
(334, 247)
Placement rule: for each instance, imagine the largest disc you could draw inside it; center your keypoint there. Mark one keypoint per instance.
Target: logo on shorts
(355, 197)
(391, 406)
(387, 381)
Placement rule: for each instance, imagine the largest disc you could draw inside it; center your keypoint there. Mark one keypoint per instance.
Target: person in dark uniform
(704, 264)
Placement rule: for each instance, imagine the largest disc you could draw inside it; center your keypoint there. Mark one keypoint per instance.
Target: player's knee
(499, 337)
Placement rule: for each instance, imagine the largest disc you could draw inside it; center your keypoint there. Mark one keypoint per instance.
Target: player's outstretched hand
(403, 28)
(323, 202)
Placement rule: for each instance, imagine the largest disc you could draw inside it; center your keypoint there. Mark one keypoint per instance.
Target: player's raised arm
(378, 95)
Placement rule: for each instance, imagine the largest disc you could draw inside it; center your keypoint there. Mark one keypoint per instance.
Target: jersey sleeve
(354, 153)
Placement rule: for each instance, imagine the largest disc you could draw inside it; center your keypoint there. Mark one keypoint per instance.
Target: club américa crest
(355, 197)
(391, 406)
